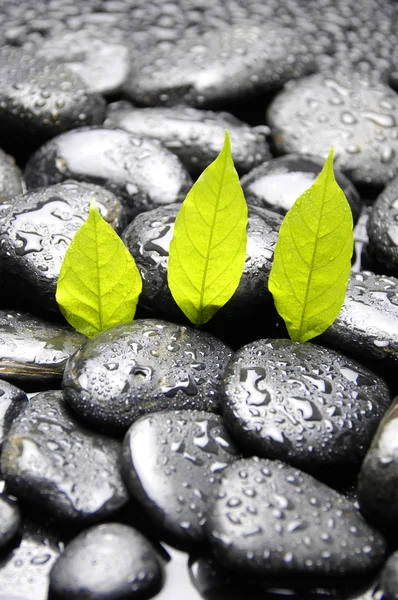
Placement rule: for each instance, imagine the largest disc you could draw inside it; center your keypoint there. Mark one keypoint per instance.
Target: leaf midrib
(98, 275)
(311, 266)
(206, 266)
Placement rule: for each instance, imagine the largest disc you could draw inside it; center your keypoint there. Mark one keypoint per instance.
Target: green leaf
(208, 249)
(99, 283)
(312, 259)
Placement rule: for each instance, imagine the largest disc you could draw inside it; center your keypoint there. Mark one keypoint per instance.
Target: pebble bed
(156, 460)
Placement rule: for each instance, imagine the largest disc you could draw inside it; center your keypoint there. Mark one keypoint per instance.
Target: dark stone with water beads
(34, 351)
(301, 403)
(382, 230)
(185, 455)
(277, 183)
(367, 326)
(377, 481)
(53, 460)
(107, 561)
(116, 160)
(12, 402)
(142, 367)
(270, 518)
(389, 578)
(11, 180)
(195, 136)
(233, 63)
(37, 228)
(357, 117)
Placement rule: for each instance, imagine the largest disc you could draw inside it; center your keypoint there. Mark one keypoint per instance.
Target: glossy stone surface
(50, 458)
(195, 136)
(106, 561)
(377, 490)
(277, 183)
(389, 578)
(382, 230)
(224, 65)
(12, 403)
(143, 367)
(366, 327)
(10, 520)
(33, 350)
(358, 117)
(269, 517)
(36, 230)
(102, 63)
(301, 403)
(11, 180)
(116, 160)
(185, 455)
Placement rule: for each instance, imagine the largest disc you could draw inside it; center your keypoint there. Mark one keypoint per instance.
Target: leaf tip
(93, 204)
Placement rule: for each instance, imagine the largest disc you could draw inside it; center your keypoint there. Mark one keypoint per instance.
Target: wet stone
(37, 228)
(106, 561)
(301, 403)
(269, 518)
(383, 230)
(219, 66)
(148, 239)
(377, 489)
(10, 520)
(143, 367)
(24, 570)
(116, 160)
(389, 578)
(357, 117)
(102, 63)
(34, 351)
(195, 136)
(367, 326)
(11, 180)
(12, 403)
(185, 455)
(39, 100)
(51, 459)
(277, 183)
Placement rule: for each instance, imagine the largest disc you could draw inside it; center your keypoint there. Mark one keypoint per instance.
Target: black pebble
(172, 460)
(12, 403)
(355, 116)
(10, 520)
(116, 160)
(301, 403)
(195, 136)
(142, 367)
(107, 561)
(389, 578)
(269, 518)
(382, 230)
(11, 180)
(50, 459)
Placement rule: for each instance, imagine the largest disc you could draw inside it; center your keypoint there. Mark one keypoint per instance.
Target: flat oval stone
(37, 229)
(10, 520)
(389, 578)
(102, 63)
(34, 350)
(12, 403)
(106, 561)
(185, 455)
(148, 239)
(24, 570)
(277, 183)
(39, 100)
(11, 180)
(116, 160)
(54, 461)
(382, 229)
(307, 405)
(143, 367)
(367, 326)
(377, 490)
(359, 118)
(219, 66)
(269, 518)
(195, 136)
